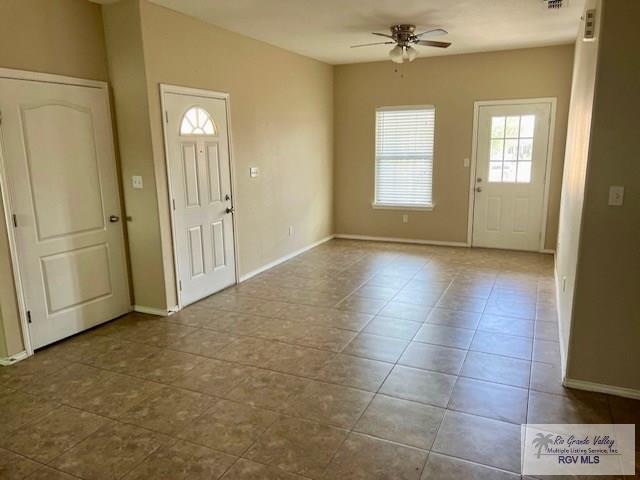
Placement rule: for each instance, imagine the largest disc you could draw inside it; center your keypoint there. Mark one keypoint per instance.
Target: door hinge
(180, 285)
(28, 316)
(15, 220)
(166, 116)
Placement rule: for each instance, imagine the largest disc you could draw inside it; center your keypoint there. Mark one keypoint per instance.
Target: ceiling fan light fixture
(411, 53)
(396, 54)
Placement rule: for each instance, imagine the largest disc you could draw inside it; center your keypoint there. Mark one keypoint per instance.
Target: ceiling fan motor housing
(403, 34)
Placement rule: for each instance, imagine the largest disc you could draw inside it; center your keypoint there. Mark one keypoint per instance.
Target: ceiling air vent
(554, 3)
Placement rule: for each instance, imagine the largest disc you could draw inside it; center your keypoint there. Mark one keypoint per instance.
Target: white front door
(511, 162)
(57, 149)
(196, 132)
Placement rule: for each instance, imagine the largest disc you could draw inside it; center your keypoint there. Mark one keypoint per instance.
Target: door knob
(229, 209)
(478, 189)
(114, 218)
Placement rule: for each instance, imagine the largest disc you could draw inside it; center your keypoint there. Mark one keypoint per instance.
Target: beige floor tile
(547, 377)
(511, 305)
(375, 347)
(575, 407)
(161, 333)
(297, 446)
(267, 389)
(392, 327)
(377, 292)
(248, 351)
(213, 377)
(46, 473)
(499, 344)
(425, 297)
(355, 372)
(388, 280)
(547, 331)
(165, 366)
(467, 436)
(454, 318)
(183, 461)
(546, 351)
(14, 466)
(497, 368)
(110, 453)
(402, 421)
(432, 388)
(493, 400)
(506, 325)
(19, 409)
(444, 336)
(81, 348)
(405, 311)
(233, 323)
(206, 343)
(247, 470)
(301, 361)
(433, 357)
(40, 365)
(358, 304)
(229, 427)
(50, 436)
(64, 385)
(463, 303)
(442, 467)
(168, 411)
(365, 458)
(329, 404)
(123, 356)
(626, 410)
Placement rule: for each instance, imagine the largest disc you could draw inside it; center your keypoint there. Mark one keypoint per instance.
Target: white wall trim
(5, 361)
(547, 178)
(549, 251)
(150, 310)
(50, 78)
(349, 236)
(563, 351)
(602, 388)
(282, 259)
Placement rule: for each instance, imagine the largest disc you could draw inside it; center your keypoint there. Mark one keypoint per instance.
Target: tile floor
(353, 361)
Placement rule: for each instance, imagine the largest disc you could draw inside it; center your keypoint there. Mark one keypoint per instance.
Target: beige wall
(605, 330)
(281, 120)
(64, 37)
(573, 183)
(452, 84)
(129, 85)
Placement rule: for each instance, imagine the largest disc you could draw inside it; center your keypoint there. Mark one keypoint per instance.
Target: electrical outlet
(291, 230)
(616, 195)
(405, 218)
(466, 163)
(253, 172)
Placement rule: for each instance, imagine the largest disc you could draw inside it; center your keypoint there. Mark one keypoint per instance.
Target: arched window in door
(197, 121)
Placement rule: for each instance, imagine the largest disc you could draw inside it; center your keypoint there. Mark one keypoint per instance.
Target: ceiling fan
(405, 38)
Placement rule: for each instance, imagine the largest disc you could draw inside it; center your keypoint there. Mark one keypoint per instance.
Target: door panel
(57, 148)
(199, 174)
(511, 160)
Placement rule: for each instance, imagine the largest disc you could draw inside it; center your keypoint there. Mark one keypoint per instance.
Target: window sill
(383, 206)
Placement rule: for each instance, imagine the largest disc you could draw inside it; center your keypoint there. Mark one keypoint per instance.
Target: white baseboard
(4, 361)
(150, 310)
(602, 388)
(563, 351)
(349, 236)
(550, 251)
(280, 260)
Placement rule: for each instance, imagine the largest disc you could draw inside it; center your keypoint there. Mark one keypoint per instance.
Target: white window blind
(404, 156)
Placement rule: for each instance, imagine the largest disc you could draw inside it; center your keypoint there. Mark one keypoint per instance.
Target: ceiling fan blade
(431, 43)
(371, 44)
(382, 34)
(433, 33)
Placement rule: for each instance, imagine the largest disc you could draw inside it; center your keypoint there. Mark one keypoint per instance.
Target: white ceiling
(324, 29)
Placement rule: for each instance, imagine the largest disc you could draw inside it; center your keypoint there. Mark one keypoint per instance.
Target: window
(197, 122)
(511, 149)
(404, 156)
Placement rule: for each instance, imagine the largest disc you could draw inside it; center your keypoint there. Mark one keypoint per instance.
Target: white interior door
(511, 162)
(196, 132)
(57, 149)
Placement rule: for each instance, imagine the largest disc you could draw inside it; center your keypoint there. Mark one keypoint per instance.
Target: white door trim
(547, 176)
(8, 207)
(176, 89)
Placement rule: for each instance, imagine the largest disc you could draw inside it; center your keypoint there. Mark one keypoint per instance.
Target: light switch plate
(616, 195)
(466, 163)
(136, 181)
(253, 172)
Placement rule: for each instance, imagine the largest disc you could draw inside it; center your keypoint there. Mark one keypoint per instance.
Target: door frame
(39, 77)
(547, 174)
(198, 92)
